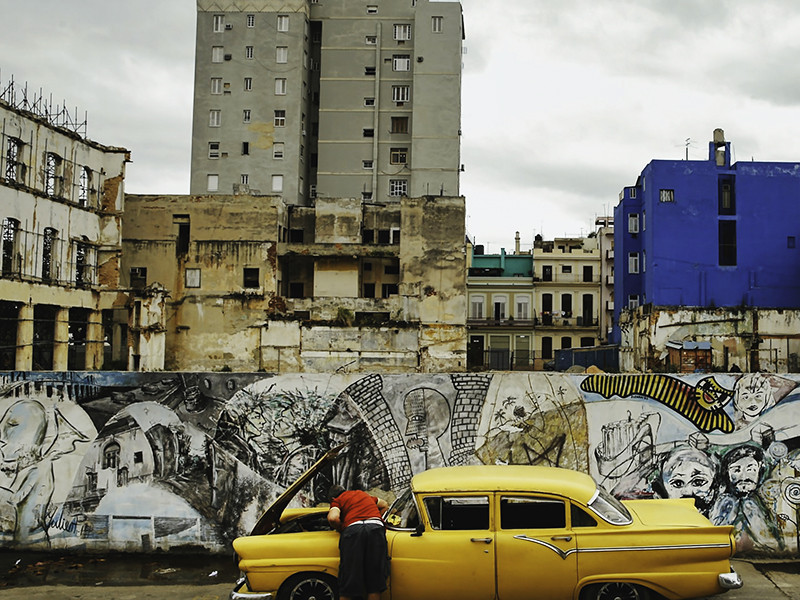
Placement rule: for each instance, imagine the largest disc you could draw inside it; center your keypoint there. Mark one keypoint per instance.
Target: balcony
(510, 322)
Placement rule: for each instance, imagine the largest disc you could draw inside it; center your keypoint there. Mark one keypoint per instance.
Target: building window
(184, 237)
(366, 195)
(219, 23)
(277, 183)
(245, 148)
(249, 53)
(398, 156)
(372, 9)
(83, 262)
(566, 268)
(48, 246)
(251, 278)
(523, 310)
(282, 54)
(727, 196)
(212, 184)
(246, 115)
(727, 243)
(398, 187)
(213, 149)
(369, 70)
(280, 87)
(216, 85)
(244, 179)
(389, 289)
(217, 54)
(111, 456)
(633, 301)
(368, 132)
(84, 186)
(138, 277)
(436, 24)
(790, 241)
(547, 347)
(280, 118)
(251, 20)
(11, 254)
(633, 223)
(401, 62)
(14, 166)
(401, 93)
(371, 40)
(192, 278)
(214, 118)
(588, 275)
(399, 124)
(402, 32)
(633, 262)
(366, 164)
(666, 196)
(283, 22)
(248, 84)
(369, 101)
(277, 150)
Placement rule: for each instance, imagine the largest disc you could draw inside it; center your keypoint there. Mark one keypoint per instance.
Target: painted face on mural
(753, 395)
(22, 431)
(743, 475)
(689, 473)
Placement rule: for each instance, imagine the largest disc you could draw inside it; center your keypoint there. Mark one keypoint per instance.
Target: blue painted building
(706, 233)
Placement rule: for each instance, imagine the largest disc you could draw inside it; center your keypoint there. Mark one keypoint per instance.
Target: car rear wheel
(616, 590)
(309, 586)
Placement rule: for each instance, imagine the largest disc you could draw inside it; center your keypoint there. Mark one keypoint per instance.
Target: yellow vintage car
(506, 532)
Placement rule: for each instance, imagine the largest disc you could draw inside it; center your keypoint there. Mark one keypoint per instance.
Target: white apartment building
(300, 99)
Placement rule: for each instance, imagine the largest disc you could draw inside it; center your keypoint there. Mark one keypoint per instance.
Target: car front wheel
(309, 586)
(618, 590)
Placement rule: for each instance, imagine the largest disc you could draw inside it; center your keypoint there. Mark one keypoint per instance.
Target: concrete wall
(143, 461)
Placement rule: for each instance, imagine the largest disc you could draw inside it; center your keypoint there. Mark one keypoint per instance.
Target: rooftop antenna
(687, 144)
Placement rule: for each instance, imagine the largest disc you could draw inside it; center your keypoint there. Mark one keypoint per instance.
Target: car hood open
(273, 514)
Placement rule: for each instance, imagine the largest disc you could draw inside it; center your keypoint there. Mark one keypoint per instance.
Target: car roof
(510, 478)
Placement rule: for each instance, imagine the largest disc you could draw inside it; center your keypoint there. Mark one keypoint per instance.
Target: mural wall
(143, 461)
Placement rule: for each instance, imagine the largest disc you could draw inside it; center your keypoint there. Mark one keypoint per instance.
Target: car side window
(580, 518)
(402, 514)
(532, 513)
(458, 513)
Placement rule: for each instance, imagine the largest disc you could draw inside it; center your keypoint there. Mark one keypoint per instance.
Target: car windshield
(608, 508)
(403, 514)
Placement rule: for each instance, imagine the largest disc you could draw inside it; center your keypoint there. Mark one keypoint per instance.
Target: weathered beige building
(61, 202)
(744, 339)
(344, 286)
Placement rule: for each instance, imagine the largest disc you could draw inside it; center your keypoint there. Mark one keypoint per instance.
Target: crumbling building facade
(256, 284)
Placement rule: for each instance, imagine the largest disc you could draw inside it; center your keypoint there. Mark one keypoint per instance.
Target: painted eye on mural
(699, 482)
(207, 383)
(230, 384)
(677, 483)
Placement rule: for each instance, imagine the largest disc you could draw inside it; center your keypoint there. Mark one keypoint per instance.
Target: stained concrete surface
(182, 577)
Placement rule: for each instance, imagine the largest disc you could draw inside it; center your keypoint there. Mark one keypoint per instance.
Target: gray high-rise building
(334, 98)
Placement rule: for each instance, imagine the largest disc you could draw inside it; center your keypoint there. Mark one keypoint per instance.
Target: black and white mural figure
(740, 504)
(428, 415)
(34, 437)
(688, 472)
(757, 393)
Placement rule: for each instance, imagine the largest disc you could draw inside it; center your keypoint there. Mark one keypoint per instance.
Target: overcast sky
(564, 101)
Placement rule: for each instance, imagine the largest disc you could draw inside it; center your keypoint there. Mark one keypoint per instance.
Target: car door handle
(484, 540)
(565, 538)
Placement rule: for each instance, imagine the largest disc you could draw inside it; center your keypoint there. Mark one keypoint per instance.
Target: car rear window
(458, 513)
(532, 513)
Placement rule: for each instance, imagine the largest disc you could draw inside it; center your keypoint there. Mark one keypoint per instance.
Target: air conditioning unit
(228, 56)
(312, 191)
(228, 26)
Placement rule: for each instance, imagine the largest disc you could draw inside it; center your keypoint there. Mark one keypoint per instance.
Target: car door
(536, 550)
(453, 558)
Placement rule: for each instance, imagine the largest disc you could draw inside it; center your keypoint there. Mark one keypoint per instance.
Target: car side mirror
(418, 530)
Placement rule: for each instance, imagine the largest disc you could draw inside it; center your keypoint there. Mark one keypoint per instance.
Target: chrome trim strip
(237, 595)
(564, 554)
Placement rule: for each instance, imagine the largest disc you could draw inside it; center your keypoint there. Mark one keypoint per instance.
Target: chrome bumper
(730, 581)
(237, 595)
